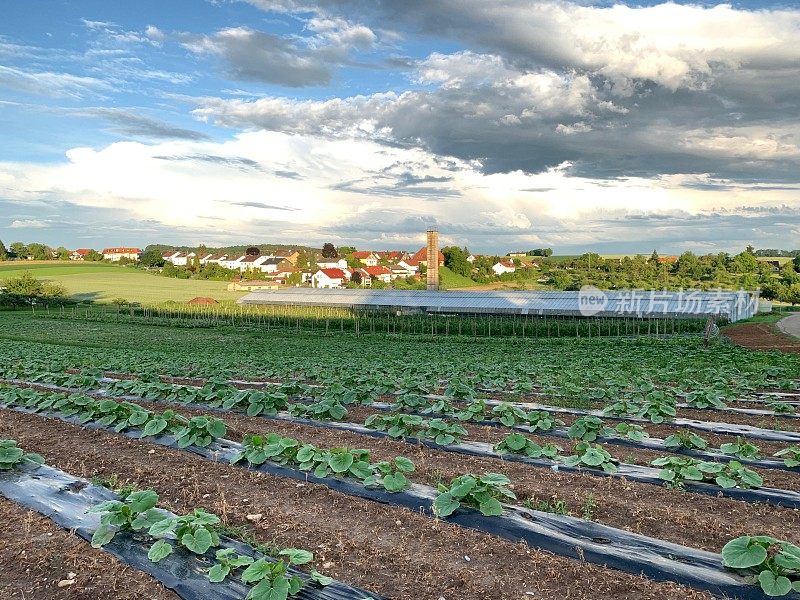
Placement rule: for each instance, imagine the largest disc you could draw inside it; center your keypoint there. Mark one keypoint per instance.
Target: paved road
(790, 325)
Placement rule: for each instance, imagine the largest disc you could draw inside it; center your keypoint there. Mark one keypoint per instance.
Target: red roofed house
(393, 256)
(419, 258)
(504, 266)
(79, 254)
(379, 272)
(329, 278)
(366, 258)
(116, 254)
(667, 260)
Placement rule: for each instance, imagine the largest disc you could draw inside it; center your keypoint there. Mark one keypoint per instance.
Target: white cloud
(300, 187)
(28, 224)
(46, 83)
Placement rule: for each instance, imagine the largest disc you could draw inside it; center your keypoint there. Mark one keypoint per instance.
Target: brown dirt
(35, 554)
(385, 549)
(760, 336)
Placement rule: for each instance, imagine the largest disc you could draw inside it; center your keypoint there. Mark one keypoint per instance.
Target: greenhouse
(724, 305)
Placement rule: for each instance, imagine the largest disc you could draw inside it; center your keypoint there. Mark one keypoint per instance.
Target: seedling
(588, 429)
(686, 439)
(592, 456)
(741, 449)
(12, 457)
(196, 532)
(483, 492)
(630, 431)
(773, 564)
(792, 456)
(516, 443)
(135, 513)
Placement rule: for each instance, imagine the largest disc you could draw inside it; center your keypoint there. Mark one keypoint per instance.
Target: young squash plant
(509, 415)
(790, 456)
(588, 429)
(631, 432)
(542, 420)
(773, 564)
(136, 512)
(474, 411)
(197, 532)
(258, 449)
(198, 431)
(483, 492)
(592, 456)
(741, 449)
(13, 457)
(391, 475)
(327, 409)
(516, 443)
(685, 439)
(677, 470)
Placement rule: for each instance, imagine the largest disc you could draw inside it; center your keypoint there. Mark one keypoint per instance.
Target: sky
(615, 127)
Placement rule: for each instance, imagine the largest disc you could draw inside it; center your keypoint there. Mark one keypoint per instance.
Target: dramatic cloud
(365, 192)
(252, 55)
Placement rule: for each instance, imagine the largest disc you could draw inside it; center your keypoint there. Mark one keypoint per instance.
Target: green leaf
(395, 482)
(491, 507)
(199, 542)
(159, 551)
(297, 556)
(341, 462)
(319, 578)
(162, 527)
(403, 464)
(445, 504)
(142, 501)
(740, 553)
(257, 571)
(218, 573)
(102, 536)
(772, 585)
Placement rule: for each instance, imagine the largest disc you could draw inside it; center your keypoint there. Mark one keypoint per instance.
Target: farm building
(730, 306)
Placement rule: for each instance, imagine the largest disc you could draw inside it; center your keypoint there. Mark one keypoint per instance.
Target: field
(103, 282)
(403, 466)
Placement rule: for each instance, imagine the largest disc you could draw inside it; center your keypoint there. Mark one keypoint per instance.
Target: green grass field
(449, 280)
(104, 282)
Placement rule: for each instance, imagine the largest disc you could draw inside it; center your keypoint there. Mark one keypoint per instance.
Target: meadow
(102, 283)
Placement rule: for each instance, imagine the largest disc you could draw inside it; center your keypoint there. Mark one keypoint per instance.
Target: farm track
(761, 336)
(36, 554)
(621, 503)
(387, 550)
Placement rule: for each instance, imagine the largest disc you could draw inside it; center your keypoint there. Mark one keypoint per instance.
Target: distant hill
(240, 249)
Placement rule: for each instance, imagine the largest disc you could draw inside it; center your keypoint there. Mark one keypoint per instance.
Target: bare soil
(761, 336)
(384, 549)
(35, 554)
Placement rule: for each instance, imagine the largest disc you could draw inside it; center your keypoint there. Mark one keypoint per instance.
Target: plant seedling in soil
(588, 429)
(197, 532)
(198, 431)
(259, 449)
(135, 513)
(791, 456)
(542, 420)
(555, 505)
(516, 443)
(509, 415)
(391, 474)
(592, 456)
(13, 457)
(632, 432)
(227, 562)
(588, 507)
(483, 492)
(676, 470)
(740, 449)
(685, 439)
(773, 564)
(327, 409)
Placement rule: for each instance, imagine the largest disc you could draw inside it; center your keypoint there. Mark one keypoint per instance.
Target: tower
(433, 259)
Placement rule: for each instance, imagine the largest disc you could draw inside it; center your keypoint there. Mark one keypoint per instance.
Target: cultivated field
(102, 282)
(404, 466)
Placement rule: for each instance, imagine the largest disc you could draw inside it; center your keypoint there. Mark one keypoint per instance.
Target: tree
(151, 258)
(19, 250)
(796, 263)
(792, 294)
(26, 289)
(94, 256)
(345, 250)
(745, 262)
(357, 278)
(40, 251)
(329, 251)
(750, 250)
(654, 257)
(455, 259)
(3, 251)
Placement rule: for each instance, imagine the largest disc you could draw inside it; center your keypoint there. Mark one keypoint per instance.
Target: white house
(408, 267)
(329, 278)
(330, 263)
(503, 266)
(379, 273)
(471, 258)
(80, 254)
(116, 254)
(231, 262)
